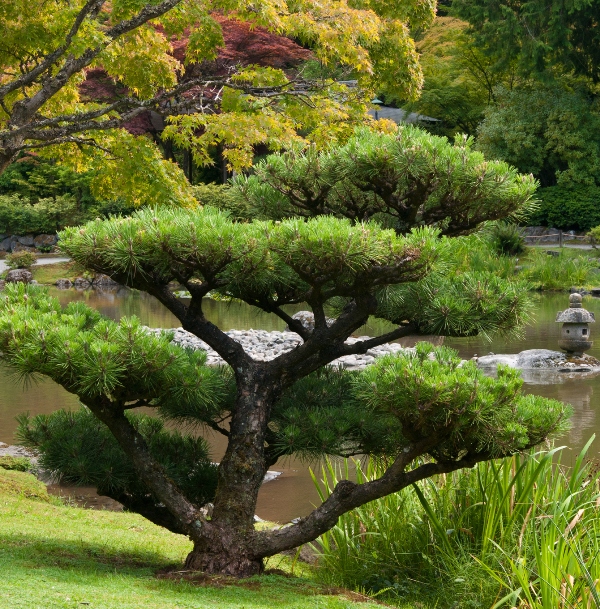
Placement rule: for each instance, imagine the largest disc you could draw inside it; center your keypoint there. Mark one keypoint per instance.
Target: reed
(518, 532)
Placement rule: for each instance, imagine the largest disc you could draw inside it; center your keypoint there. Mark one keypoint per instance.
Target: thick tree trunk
(225, 546)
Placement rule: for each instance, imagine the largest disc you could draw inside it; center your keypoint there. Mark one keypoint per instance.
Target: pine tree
(425, 412)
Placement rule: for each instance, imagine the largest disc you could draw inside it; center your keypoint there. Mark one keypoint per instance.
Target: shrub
(506, 239)
(568, 208)
(21, 260)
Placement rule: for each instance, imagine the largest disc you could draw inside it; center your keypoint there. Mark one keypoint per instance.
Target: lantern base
(575, 347)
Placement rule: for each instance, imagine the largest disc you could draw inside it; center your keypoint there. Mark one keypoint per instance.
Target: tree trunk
(225, 545)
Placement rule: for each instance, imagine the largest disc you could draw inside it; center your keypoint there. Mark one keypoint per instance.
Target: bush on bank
(568, 207)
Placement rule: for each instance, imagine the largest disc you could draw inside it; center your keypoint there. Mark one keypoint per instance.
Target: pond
(292, 494)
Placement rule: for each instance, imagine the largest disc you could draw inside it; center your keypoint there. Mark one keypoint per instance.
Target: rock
(307, 319)
(26, 240)
(45, 241)
(539, 358)
(552, 253)
(6, 244)
(19, 247)
(19, 276)
(63, 284)
(101, 279)
(81, 282)
(594, 292)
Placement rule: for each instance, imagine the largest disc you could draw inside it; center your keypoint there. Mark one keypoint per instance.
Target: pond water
(293, 494)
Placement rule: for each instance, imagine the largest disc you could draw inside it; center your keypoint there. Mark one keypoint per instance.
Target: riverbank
(61, 557)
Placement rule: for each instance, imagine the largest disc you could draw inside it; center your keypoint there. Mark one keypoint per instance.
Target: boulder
(63, 284)
(26, 240)
(6, 244)
(101, 279)
(19, 247)
(81, 282)
(307, 319)
(45, 241)
(19, 276)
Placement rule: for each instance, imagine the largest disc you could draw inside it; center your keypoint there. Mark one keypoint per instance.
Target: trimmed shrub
(568, 208)
(21, 260)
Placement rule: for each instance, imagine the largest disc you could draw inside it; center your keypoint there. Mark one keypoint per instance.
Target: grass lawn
(55, 556)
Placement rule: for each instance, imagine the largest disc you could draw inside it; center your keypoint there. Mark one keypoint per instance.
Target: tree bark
(226, 543)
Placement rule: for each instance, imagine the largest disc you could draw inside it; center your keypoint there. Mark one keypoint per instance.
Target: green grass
(54, 556)
(571, 268)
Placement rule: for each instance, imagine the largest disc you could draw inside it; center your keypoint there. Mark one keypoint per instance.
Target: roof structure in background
(401, 116)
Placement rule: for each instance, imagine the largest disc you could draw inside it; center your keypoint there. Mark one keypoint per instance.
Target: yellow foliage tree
(49, 45)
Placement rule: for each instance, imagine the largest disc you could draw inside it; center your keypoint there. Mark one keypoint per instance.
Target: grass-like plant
(522, 531)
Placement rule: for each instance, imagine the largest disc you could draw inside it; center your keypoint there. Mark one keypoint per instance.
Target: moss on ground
(57, 557)
(48, 274)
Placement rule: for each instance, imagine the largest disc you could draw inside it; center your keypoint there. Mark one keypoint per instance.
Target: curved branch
(347, 496)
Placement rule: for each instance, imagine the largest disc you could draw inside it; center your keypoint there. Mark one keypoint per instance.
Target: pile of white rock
(262, 346)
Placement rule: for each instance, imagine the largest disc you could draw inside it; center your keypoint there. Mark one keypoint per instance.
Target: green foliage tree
(423, 411)
(48, 47)
(540, 37)
(459, 80)
(546, 130)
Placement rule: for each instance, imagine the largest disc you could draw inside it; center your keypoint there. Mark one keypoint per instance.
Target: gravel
(264, 346)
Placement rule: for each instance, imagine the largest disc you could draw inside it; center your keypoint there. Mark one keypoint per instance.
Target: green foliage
(404, 179)
(18, 216)
(403, 399)
(546, 130)
(21, 260)
(459, 79)
(77, 448)
(40, 179)
(539, 37)
(568, 207)
(536, 269)
(519, 528)
(555, 272)
(18, 464)
(93, 356)
(506, 239)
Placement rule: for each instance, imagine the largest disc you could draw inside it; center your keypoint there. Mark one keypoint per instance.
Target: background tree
(423, 412)
(48, 47)
(459, 78)
(560, 36)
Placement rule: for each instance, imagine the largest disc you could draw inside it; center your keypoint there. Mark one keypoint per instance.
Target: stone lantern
(575, 331)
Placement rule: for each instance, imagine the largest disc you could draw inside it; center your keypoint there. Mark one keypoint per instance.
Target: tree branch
(25, 109)
(90, 9)
(149, 470)
(364, 345)
(348, 495)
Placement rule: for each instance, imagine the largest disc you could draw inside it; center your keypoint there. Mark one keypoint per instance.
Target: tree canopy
(541, 37)
(49, 48)
(548, 130)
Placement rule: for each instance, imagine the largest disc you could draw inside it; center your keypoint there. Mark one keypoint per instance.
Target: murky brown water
(293, 494)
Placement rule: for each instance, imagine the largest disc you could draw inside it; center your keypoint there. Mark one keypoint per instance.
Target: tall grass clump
(555, 272)
(518, 532)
